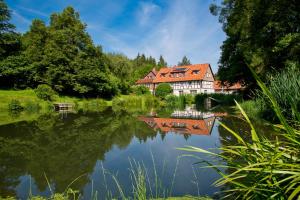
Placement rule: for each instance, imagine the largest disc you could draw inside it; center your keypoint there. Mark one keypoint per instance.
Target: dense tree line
(64, 56)
(261, 34)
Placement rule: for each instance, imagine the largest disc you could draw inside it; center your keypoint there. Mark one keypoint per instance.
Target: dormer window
(195, 71)
(163, 75)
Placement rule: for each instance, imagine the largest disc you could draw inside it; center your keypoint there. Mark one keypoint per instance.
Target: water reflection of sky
(165, 134)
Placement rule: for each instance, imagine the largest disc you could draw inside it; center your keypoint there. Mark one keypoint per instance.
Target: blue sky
(172, 28)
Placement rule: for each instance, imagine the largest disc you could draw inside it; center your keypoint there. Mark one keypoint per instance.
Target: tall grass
(284, 86)
(145, 184)
(179, 102)
(134, 103)
(262, 168)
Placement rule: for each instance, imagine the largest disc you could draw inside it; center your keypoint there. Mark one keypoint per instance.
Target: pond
(94, 152)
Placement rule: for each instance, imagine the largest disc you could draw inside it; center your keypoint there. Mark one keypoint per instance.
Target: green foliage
(184, 61)
(253, 108)
(31, 106)
(262, 168)
(134, 103)
(161, 63)
(9, 40)
(45, 92)
(188, 99)
(163, 89)
(173, 101)
(15, 105)
(223, 99)
(140, 90)
(261, 34)
(63, 55)
(284, 87)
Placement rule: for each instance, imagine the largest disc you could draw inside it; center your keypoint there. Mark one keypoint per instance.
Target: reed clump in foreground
(263, 168)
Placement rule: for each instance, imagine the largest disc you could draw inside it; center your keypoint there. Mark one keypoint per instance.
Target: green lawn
(27, 97)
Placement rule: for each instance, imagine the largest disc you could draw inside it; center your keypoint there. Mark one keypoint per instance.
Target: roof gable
(148, 78)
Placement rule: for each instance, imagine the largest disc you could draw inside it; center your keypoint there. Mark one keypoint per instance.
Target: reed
(263, 168)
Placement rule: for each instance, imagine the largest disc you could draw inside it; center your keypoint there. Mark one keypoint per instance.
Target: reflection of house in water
(182, 126)
(191, 114)
(188, 121)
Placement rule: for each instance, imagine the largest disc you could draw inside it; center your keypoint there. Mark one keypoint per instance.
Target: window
(205, 91)
(195, 72)
(180, 92)
(193, 91)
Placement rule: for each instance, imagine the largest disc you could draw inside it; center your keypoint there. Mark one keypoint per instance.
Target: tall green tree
(184, 61)
(122, 68)
(63, 56)
(161, 63)
(262, 34)
(9, 40)
(142, 65)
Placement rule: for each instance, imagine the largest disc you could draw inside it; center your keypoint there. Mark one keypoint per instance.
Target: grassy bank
(29, 96)
(33, 107)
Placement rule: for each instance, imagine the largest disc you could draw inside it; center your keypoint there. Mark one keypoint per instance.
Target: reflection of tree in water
(63, 148)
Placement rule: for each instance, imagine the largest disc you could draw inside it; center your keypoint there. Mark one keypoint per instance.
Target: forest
(63, 56)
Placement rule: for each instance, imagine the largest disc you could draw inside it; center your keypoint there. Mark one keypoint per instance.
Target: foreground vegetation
(284, 87)
(263, 168)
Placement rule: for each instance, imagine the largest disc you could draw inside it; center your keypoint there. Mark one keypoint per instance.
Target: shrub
(15, 105)
(188, 99)
(140, 90)
(251, 108)
(163, 90)
(31, 106)
(45, 92)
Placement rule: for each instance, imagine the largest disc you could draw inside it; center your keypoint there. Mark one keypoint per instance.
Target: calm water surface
(94, 147)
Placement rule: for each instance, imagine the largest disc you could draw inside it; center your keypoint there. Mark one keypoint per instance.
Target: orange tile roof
(182, 126)
(147, 80)
(164, 74)
(144, 80)
(218, 86)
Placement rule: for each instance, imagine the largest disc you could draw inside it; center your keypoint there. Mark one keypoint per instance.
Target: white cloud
(186, 28)
(145, 12)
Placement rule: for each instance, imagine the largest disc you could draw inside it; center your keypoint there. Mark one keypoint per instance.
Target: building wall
(192, 87)
(208, 75)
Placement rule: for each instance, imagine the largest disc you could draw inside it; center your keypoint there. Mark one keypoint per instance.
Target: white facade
(192, 87)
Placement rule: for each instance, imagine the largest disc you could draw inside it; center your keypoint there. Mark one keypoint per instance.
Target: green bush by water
(163, 89)
(45, 92)
(140, 90)
(15, 106)
(173, 101)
